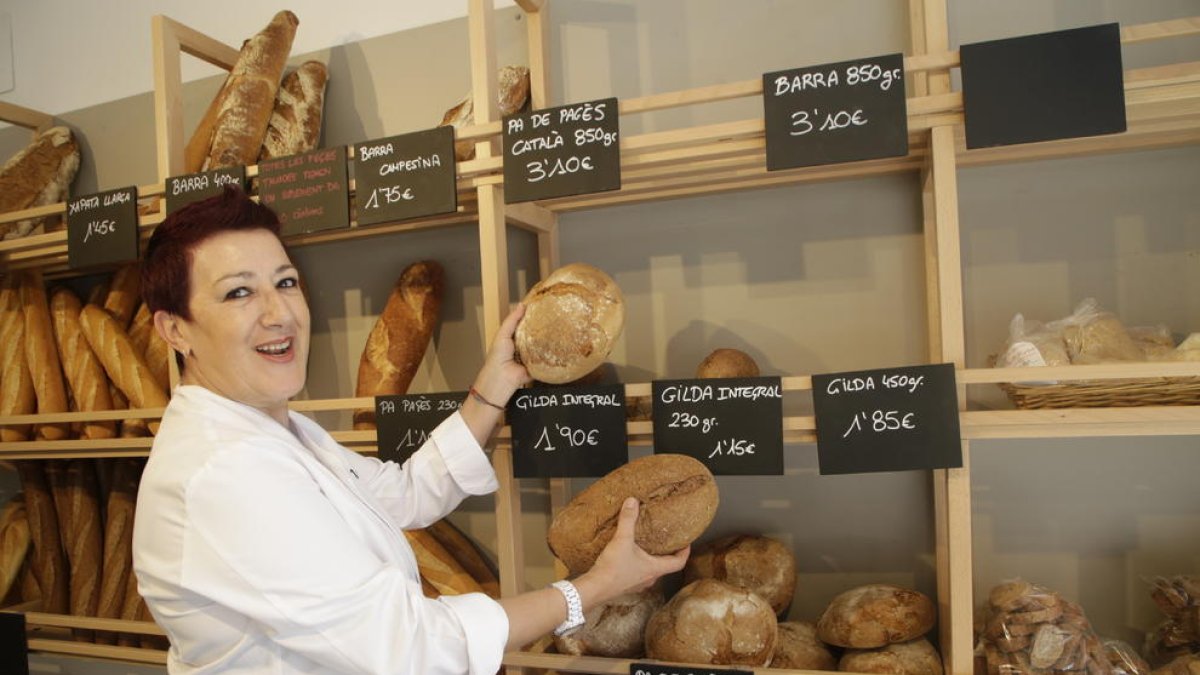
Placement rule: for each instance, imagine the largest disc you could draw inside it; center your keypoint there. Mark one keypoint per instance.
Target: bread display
(438, 567)
(49, 565)
(799, 648)
(916, 657)
(727, 363)
(1030, 629)
(126, 368)
(14, 543)
(16, 386)
(467, 555)
(117, 562)
(711, 622)
(572, 318)
(82, 538)
(42, 356)
(512, 83)
(85, 375)
(36, 176)
(1188, 664)
(295, 124)
(616, 628)
(758, 564)
(678, 498)
(400, 336)
(1178, 598)
(124, 294)
(875, 615)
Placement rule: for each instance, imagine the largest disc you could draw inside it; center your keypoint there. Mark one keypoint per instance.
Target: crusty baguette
(29, 584)
(42, 356)
(467, 555)
(99, 291)
(85, 375)
(133, 427)
(16, 386)
(124, 294)
(141, 327)
(195, 154)
(126, 368)
(118, 542)
(157, 355)
(248, 97)
(513, 92)
(36, 176)
(14, 542)
(438, 567)
(133, 608)
(398, 340)
(295, 124)
(49, 566)
(83, 539)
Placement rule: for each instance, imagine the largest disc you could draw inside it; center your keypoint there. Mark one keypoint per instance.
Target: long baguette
(16, 386)
(37, 176)
(438, 567)
(49, 566)
(295, 125)
(85, 375)
(118, 542)
(42, 356)
(134, 427)
(141, 327)
(14, 542)
(466, 554)
(126, 368)
(158, 355)
(124, 294)
(83, 539)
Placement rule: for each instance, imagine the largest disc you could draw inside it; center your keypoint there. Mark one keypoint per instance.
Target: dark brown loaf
(572, 318)
(118, 541)
(37, 176)
(295, 124)
(49, 565)
(123, 364)
(916, 657)
(513, 87)
(124, 294)
(709, 621)
(678, 498)
(85, 375)
(42, 355)
(874, 615)
(727, 363)
(400, 336)
(248, 98)
(16, 386)
(799, 648)
(758, 564)
(616, 629)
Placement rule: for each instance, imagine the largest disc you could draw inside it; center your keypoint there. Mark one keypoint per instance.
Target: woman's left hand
(502, 374)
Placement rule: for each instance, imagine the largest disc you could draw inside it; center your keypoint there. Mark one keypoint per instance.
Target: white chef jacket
(266, 550)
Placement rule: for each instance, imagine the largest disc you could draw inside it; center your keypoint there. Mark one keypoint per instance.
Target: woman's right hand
(623, 566)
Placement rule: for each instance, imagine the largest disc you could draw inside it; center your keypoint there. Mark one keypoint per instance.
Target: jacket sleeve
(448, 468)
(264, 541)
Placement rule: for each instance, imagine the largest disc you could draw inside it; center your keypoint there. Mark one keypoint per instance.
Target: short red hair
(167, 265)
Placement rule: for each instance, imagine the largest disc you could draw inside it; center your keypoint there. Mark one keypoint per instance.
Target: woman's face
(249, 330)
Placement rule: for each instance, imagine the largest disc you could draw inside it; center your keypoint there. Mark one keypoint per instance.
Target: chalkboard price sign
(894, 419)
(838, 112)
(568, 432)
(308, 191)
(14, 647)
(734, 425)
(102, 228)
(556, 152)
(183, 190)
(674, 669)
(406, 176)
(403, 423)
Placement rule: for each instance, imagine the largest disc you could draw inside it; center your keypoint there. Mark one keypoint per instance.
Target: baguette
(14, 543)
(126, 368)
(467, 555)
(48, 564)
(438, 567)
(38, 175)
(513, 85)
(295, 124)
(82, 539)
(248, 97)
(85, 375)
(99, 292)
(134, 427)
(398, 340)
(124, 293)
(118, 542)
(133, 608)
(141, 327)
(29, 590)
(42, 356)
(158, 355)
(16, 386)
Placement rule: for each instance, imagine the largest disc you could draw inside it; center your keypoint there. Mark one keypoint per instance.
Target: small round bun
(710, 621)
(727, 363)
(572, 317)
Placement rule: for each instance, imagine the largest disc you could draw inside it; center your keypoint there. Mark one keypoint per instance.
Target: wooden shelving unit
(1163, 106)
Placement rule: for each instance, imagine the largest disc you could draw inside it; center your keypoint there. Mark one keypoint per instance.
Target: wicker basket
(1106, 393)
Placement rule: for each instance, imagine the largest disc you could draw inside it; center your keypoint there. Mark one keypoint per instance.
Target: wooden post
(168, 98)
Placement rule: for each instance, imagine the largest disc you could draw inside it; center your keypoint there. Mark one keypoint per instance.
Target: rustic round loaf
(572, 317)
(678, 499)
(874, 615)
(727, 363)
(616, 629)
(710, 621)
(916, 657)
(759, 564)
(800, 649)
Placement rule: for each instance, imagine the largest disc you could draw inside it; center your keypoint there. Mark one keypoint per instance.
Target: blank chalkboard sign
(102, 228)
(183, 190)
(733, 425)
(676, 669)
(568, 432)
(838, 112)
(14, 647)
(893, 419)
(556, 152)
(406, 176)
(1064, 84)
(403, 423)
(307, 191)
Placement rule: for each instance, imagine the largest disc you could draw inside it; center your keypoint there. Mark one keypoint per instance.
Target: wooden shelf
(605, 666)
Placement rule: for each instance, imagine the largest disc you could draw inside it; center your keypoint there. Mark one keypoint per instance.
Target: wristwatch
(574, 607)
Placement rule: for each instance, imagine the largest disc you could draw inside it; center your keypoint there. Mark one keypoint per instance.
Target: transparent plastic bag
(1032, 343)
(1124, 660)
(1031, 630)
(1178, 598)
(1093, 335)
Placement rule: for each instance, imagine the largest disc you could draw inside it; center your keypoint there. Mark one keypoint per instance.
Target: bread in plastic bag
(1096, 336)
(1188, 350)
(1178, 598)
(1155, 342)
(1124, 660)
(1031, 630)
(1188, 664)
(1032, 343)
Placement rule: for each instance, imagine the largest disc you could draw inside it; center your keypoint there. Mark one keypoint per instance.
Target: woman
(263, 546)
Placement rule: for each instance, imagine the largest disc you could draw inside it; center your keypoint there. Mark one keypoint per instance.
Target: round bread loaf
(916, 657)
(678, 499)
(727, 363)
(616, 628)
(710, 621)
(874, 615)
(800, 649)
(758, 564)
(572, 317)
